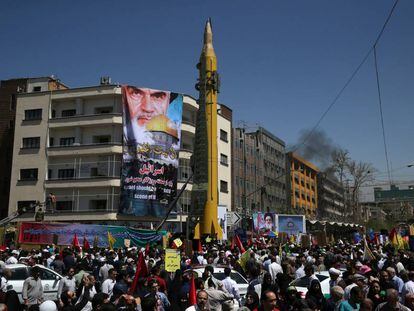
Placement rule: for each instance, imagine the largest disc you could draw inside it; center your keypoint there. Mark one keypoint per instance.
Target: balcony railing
(86, 116)
(77, 145)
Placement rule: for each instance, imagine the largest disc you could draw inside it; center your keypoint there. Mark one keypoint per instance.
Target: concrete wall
(29, 158)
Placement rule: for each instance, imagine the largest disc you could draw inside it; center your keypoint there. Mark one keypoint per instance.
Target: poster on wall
(222, 217)
(151, 142)
(291, 224)
(264, 222)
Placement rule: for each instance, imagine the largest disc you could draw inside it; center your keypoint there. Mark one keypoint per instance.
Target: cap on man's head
(334, 271)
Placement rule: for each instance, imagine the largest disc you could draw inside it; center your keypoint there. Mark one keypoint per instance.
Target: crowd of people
(103, 279)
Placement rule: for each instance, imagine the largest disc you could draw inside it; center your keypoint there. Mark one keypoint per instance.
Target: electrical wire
(382, 115)
(354, 73)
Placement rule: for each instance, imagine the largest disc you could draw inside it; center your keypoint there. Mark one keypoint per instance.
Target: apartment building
(8, 91)
(72, 147)
(259, 169)
(331, 199)
(302, 178)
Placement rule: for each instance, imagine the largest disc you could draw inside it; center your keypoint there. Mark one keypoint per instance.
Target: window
(12, 102)
(31, 143)
(66, 173)
(28, 206)
(37, 88)
(33, 114)
(101, 110)
(64, 205)
(67, 141)
(224, 159)
(104, 139)
(98, 204)
(28, 174)
(223, 186)
(223, 135)
(19, 274)
(68, 113)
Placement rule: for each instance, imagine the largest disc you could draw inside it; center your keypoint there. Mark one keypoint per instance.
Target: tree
(359, 173)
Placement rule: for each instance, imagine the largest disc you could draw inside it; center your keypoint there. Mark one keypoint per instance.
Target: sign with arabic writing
(172, 260)
(151, 142)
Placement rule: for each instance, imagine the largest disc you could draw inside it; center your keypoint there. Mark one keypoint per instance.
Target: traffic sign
(232, 218)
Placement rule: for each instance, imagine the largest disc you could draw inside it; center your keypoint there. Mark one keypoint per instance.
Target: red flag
(232, 243)
(239, 244)
(75, 242)
(250, 242)
(147, 248)
(86, 245)
(142, 271)
(199, 247)
(192, 296)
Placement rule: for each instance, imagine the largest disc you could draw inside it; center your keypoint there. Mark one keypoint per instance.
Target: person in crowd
(162, 301)
(353, 303)
(67, 283)
(392, 302)
(314, 296)
(231, 285)
(109, 283)
(269, 301)
(32, 291)
(252, 301)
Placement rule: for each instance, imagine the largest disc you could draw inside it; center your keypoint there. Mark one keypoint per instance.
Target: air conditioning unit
(105, 80)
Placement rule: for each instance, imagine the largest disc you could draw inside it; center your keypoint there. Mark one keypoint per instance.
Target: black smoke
(316, 147)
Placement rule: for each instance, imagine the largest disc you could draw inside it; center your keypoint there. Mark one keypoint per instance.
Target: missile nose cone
(208, 33)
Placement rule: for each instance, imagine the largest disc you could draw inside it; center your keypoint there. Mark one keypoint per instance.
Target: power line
(381, 114)
(354, 73)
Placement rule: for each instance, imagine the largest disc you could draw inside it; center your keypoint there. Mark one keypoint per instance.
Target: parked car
(20, 272)
(302, 284)
(218, 274)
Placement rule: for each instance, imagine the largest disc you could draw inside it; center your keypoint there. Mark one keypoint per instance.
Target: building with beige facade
(73, 149)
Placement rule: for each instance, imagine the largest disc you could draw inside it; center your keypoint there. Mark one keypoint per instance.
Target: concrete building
(302, 178)
(74, 150)
(331, 199)
(8, 92)
(397, 203)
(259, 169)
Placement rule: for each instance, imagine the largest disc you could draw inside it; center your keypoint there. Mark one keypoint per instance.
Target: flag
(111, 240)
(142, 271)
(368, 255)
(147, 248)
(86, 245)
(232, 243)
(192, 296)
(95, 241)
(75, 242)
(393, 238)
(239, 244)
(400, 241)
(244, 258)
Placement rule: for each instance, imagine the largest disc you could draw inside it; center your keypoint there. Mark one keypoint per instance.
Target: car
(302, 284)
(218, 274)
(20, 272)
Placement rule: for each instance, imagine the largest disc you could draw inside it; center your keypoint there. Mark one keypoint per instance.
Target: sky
(281, 62)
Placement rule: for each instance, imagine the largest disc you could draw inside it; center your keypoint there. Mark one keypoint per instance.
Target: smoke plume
(317, 149)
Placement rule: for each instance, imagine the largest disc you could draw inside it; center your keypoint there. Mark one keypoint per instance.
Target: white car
(302, 284)
(20, 272)
(218, 274)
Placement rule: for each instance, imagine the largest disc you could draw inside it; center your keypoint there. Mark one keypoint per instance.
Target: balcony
(99, 181)
(85, 149)
(86, 120)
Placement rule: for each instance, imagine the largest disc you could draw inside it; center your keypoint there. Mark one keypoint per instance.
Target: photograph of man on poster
(152, 134)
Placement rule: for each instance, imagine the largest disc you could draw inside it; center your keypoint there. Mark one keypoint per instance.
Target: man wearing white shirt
(109, 283)
(12, 259)
(274, 268)
(230, 285)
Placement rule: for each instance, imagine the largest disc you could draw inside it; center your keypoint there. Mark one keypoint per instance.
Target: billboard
(290, 224)
(151, 142)
(264, 222)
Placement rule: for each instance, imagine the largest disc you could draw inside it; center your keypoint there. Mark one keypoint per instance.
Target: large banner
(152, 136)
(63, 234)
(222, 217)
(289, 224)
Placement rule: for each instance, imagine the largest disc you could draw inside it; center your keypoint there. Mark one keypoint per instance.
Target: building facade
(259, 169)
(8, 92)
(397, 203)
(331, 199)
(74, 150)
(302, 178)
